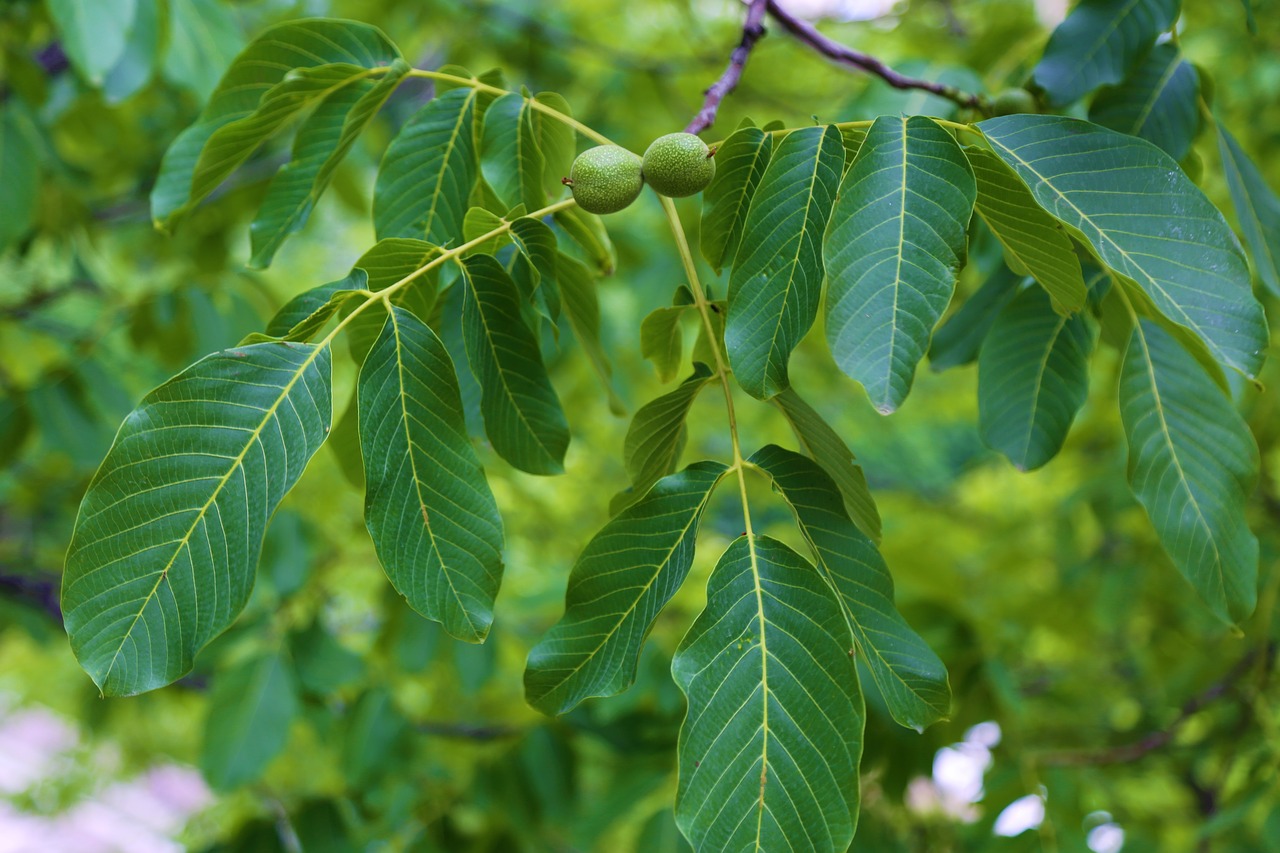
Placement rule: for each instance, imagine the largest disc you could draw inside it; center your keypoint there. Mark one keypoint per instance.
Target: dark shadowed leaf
(657, 432)
(958, 340)
(1158, 102)
(1256, 206)
(252, 707)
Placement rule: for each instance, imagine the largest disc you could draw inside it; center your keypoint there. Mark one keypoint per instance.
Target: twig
(1158, 739)
(846, 55)
(469, 731)
(752, 31)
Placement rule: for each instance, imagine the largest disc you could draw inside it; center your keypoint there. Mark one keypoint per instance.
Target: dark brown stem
(752, 31)
(846, 55)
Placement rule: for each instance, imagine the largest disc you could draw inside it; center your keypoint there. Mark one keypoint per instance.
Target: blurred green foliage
(1046, 594)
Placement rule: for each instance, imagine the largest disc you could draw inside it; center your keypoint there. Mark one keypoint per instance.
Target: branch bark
(752, 31)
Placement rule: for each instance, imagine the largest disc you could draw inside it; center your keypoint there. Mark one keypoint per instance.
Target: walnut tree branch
(752, 31)
(846, 55)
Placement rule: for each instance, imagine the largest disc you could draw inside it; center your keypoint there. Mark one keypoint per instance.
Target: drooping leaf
(19, 176)
(93, 33)
(1035, 243)
(434, 522)
(1146, 221)
(776, 282)
(662, 341)
(825, 446)
(428, 171)
(740, 164)
(204, 39)
(582, 308)
(522, 414)
(165, 546)
(1098, 44)
(910, 676)
(1192, 466)
(1256, 206)
(657, 432)
(537, 242)
(252, 707)
(622, 580)
(896, 243)
(770, 747)
(588, 231)
(289, 67)
(958, 340)
(305, 314)
(1033, 377)
(1158, 102)
(320, 146)
(509, 156)
(556, 140)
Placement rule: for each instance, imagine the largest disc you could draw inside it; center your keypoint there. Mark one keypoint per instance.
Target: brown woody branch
(752, 31)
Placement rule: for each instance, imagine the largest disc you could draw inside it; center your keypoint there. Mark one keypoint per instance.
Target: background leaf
(204, 39)
(253, 706)
(19, 176)
(893, 251)
(958, 340)
(770, 747)
(662, 341)
(93, 33)
(657, 432)
(776, 283)
(167, 540)
(1256, 206)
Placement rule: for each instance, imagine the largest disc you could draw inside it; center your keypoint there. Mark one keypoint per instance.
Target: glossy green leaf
(434, 522)
(321, 144)
(288, 68)
(509, 156)
(770, 747)
(93, 33)
(958, 340)
(582, 309)
(250, 711)
(166, 543)
(1033, 377)
(556, 140)
(911, 678)
(740, 164)
(428, 171)
(897, 240)
(776, 282)
(1146, 221)
(623, 579)
(1098, 44)
(1158, 102)
(1192, 466)
(662, 341)
(825, 446)
(522, 414)
(1035, 243)
(204, 39)
(19, 176)
(657, 432)
(1257, 209)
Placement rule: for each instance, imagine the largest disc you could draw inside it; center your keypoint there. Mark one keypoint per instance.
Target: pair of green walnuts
(607, 178)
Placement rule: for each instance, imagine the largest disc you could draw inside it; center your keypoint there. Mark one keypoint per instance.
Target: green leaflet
(662, 341)
(1033, 377)
(588, 231)
(522, 414)
(958, 340)
(657, 432)
(1158, 102)
(1192, 465)
(288, 68)
(204, 38)
(93, 33)
(1035, 244)
(582, 308)
(434, 522)
(910, 676)
(896, 242)
(1256, 207)
(1099, 43)
(250, 712)
(537, 242)
(509, 156)
(825, 446)
(1146, 221)
(165, 546)
(623, 579)
(770, 747)
(776, 282)
(19, 176)
(305, 314)
(428, 171)
(740, 164)
(321, 144)
(556, 140)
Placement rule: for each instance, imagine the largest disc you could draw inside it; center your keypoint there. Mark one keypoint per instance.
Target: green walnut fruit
(605, 179)
(679, 164)
(1013, 101)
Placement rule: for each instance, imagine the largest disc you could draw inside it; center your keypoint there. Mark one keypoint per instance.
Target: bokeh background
(1097, 704)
